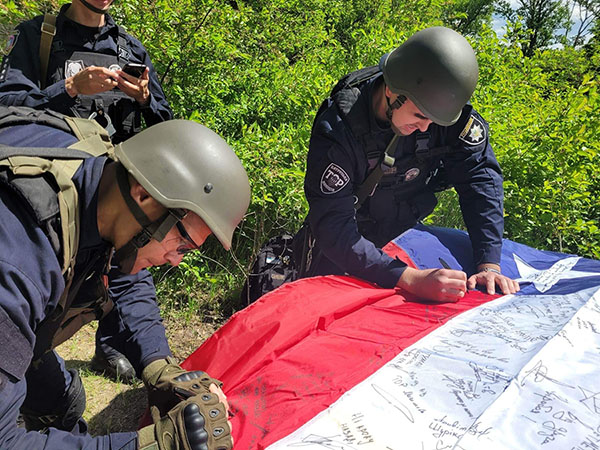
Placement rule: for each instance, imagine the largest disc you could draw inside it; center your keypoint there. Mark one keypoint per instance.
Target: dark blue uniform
(30, 286)
(347, 141)
(75, 47)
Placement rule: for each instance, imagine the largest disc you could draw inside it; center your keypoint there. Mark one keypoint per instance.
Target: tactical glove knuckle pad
(205, 423)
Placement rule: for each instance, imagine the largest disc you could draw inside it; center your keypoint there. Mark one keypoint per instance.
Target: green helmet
(436, 69)
(184, 165)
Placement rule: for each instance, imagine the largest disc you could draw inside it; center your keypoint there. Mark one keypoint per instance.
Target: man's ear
(143, 198)
(388, 91)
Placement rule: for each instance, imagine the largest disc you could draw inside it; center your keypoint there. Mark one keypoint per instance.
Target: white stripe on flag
(520, 372)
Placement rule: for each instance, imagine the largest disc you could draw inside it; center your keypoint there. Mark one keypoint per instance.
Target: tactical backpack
(42, 178)
(274, 265)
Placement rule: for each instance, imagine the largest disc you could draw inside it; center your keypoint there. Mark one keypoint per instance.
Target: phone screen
(134, 69)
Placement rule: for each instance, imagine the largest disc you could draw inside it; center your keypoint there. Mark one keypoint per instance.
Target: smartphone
(134, 69)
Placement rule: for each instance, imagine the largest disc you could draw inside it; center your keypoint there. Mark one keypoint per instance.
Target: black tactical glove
(198, 423)
(168, 384)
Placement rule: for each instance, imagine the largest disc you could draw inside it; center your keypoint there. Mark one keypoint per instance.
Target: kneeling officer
(78, 228)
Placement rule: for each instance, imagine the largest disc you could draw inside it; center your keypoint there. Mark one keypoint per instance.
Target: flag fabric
(336, 362)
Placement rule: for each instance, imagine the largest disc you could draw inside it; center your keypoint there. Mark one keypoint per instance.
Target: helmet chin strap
(390, 107)
(125, 256)
(93, 8)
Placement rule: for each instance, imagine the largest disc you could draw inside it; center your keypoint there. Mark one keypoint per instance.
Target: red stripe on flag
(298, 349)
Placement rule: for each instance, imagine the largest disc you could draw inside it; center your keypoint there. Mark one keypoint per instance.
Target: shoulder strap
(46, 38)
(370, 183)
(123, 50)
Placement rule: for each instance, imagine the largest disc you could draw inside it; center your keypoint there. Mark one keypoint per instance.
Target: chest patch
(73, 67)
(11, 42)
(334, 179)
(474, 132)
(411, 174)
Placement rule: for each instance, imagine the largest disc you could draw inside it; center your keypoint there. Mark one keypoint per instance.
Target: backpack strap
(48, 32)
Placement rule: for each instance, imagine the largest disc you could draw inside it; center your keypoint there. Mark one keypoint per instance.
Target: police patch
(73, 67)
(334, 179)
(11, 42)
(474, 132)
(411, 174)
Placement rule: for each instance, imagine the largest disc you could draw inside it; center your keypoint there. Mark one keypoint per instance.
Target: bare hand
(136, 88)
(440, 285)
(91, 80)
(490, 280)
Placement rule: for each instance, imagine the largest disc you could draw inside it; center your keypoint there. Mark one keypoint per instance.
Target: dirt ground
(114, 406)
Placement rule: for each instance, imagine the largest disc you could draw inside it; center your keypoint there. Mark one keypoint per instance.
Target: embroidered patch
(73, 67)
(11, 42)
(411, 174)
(474, 132)
(334, 179)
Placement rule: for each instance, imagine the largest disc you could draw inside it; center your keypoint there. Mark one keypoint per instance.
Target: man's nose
(174, 258)
(424, 124)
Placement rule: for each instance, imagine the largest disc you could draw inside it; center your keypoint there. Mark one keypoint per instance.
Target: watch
(491, 269)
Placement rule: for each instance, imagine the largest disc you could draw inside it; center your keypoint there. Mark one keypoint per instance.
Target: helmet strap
(125, 257)
(400, 100)
(93, 8)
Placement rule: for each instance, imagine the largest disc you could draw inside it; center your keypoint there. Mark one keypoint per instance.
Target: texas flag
(338, 363)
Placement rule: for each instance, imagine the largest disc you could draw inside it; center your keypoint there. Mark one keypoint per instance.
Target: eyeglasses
(189, 242)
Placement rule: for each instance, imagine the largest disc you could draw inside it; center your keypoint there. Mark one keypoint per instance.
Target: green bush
(256, 72)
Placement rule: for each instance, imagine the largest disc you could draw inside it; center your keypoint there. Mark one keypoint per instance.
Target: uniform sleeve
(30, 278)
(141, 334)
(476, 175)
(158, 109)
(332, 173)
(20, 75)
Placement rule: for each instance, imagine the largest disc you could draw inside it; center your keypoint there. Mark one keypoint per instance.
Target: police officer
(84, 75)
(159, 196)
(382, 144)
(85, 79)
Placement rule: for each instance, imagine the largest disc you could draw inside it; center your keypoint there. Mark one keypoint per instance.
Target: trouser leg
(108, 359)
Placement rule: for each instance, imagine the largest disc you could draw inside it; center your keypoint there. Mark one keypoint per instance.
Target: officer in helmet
(63, 217)
(382, 144)
(79, 71)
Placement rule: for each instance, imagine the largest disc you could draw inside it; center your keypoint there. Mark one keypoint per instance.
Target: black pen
(444, 264)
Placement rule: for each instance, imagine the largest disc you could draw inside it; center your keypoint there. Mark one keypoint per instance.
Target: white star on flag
(546, 278)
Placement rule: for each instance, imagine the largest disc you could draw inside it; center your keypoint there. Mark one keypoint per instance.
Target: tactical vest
(42, 178)
(114, 110)
(404, 194)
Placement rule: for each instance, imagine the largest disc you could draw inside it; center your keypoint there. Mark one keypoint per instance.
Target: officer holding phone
(93, 68)
(82, 64)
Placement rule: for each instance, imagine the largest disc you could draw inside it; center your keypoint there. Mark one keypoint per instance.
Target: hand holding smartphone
(134, 69)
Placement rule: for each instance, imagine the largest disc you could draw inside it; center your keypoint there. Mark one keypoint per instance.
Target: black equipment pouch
(274, 265)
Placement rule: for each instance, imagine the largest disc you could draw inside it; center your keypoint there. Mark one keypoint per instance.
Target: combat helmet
(185, 167)
(436, 69)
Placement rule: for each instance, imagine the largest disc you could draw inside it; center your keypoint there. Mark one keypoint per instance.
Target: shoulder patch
(474, 132)
(11, 42)
(334, 179)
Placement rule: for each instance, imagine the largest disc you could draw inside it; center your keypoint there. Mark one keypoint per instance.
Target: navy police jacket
(31, 284)
(347, 141)
(75, 47)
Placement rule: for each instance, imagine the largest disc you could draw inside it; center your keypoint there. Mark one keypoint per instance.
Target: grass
(113, 406)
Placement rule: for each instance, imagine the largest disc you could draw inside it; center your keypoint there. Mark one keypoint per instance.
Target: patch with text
(334, 179)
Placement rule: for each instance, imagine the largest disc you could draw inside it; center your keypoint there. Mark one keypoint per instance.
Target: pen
(444, 264)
